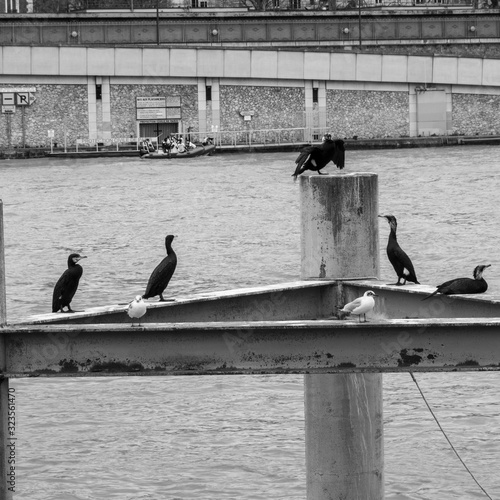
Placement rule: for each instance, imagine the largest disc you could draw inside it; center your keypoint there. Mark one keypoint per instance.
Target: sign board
(8, 109)
(50, 133)
(151, 113)
(23, 98)
(173, 113)
(158, 108)
(150, 102)
(8, 98)
(174, 101)
(5, 90)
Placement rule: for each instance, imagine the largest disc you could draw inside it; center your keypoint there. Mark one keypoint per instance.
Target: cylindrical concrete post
(3, 297)
(343, 413)
(7, 484)
(339, 226)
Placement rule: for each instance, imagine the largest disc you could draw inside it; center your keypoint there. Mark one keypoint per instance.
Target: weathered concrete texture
(367, 114)
(62, 108)
(339, 226)
(123, 105)
(487, 50)
(476, 114)
(343, 414)
(345, 411)
(273, 107)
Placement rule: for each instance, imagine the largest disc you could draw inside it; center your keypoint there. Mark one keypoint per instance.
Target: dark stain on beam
(409, 359)
(45, 371)
(116, 366)
(68, 366)
(468, 362)
(346, 365)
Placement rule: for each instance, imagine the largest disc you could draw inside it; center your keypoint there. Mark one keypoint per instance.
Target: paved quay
(351, 144)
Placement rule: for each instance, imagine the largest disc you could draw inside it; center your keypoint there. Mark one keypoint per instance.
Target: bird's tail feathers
(430, 295)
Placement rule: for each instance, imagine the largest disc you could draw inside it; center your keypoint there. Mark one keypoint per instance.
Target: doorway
(158, 129)
(432, 108)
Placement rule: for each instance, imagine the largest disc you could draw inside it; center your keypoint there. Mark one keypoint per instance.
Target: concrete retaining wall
(91, 93)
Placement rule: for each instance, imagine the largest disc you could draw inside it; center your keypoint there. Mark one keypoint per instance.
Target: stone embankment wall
(272, 107)
(476, 114)
(61, 108)
(367, 114)
(349, 113)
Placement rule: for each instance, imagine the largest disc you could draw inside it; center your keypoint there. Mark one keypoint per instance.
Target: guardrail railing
(226, 138)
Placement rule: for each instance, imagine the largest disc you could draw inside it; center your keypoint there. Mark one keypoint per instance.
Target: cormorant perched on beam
(317, 157)
(163, 272)
(397, 256)
(464, 285)
(67, 284)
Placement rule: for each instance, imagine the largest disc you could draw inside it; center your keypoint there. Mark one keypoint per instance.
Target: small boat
(197, 151)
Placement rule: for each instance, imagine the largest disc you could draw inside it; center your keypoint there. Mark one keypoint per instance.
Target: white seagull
(137, 308)
(361, 305)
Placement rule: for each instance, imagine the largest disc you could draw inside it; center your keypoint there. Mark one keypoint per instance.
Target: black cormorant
(160, 277)
(317, 157)
(67, 284)
(397, 256)
(464, 285)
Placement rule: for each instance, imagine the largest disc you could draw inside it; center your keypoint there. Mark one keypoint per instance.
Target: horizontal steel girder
(329, 346)
(300, 300)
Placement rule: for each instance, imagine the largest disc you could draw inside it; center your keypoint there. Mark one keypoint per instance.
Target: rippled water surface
(236, 221)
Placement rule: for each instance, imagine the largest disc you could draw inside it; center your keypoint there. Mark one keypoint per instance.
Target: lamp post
(359, 21)
(158, 22)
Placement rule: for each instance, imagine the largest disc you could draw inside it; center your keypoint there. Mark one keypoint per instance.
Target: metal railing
(224, 138)
(60, 6)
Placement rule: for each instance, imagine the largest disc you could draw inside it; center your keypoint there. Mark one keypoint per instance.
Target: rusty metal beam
(299, 300)
(296, 300)
(406, 301)
(323, 346)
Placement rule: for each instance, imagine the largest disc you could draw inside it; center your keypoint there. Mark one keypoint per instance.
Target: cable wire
(447, 438)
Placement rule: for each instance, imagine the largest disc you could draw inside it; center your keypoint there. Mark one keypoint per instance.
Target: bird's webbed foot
(322, 173)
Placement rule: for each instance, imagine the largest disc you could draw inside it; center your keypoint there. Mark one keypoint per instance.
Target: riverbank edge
(350, 144)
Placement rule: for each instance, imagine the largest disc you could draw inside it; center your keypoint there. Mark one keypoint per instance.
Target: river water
(236, 221)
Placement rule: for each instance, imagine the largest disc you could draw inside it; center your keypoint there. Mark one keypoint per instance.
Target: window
(98, 92)
(208, 92)
(315, 95)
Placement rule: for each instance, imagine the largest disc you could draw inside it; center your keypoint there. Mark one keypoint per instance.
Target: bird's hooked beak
(80, 258)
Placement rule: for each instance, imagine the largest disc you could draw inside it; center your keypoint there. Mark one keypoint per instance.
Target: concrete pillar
(106, 110)
(343, 413)
(308, 107)
(7, 475)
(3, 297)
(202, 107)
(92, 107)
